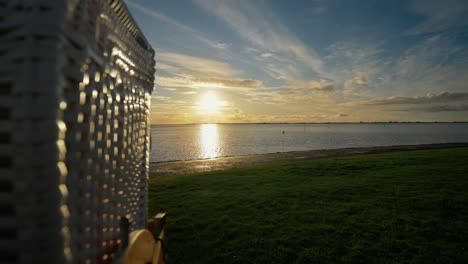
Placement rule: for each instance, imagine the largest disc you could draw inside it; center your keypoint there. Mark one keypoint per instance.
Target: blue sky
(307, 61)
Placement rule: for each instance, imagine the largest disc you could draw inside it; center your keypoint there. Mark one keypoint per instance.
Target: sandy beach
(164, 169)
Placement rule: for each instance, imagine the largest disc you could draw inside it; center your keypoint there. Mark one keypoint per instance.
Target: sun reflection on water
(209, 139)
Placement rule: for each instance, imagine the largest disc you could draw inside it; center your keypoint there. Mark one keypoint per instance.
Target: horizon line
(273, 123)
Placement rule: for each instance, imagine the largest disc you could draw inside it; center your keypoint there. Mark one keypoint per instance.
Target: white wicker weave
(75, 84)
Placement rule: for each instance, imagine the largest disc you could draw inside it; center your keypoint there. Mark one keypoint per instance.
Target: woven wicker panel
(32, 151)
(75, 85)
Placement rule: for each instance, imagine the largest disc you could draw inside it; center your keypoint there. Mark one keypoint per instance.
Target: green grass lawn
(402, 207)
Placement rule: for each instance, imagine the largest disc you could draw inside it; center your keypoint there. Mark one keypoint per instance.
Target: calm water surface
(188, 142)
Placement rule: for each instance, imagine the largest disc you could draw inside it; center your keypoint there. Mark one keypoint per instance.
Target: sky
(249, 61)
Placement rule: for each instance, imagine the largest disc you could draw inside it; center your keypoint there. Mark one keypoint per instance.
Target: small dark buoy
(284, 132)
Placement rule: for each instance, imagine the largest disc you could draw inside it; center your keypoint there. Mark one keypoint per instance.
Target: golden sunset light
(209, 103)
(234, 131)
(209, 139)
(209, 85)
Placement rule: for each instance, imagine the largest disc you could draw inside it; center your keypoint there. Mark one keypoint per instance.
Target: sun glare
(209, 139)
(209, 103)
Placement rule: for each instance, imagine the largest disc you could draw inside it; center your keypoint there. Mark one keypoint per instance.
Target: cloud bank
(427, 99)
(256, 22)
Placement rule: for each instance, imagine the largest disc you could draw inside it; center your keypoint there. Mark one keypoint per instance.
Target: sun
(209, 103)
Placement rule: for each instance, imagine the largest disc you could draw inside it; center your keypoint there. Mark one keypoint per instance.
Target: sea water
(205, 141)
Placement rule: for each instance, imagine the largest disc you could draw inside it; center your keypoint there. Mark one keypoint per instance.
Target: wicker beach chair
(76, 79)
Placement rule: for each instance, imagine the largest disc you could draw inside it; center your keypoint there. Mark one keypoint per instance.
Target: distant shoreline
(322, 123)
(161, 169)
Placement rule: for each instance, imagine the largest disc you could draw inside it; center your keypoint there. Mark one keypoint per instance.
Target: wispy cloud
(356, 51)
(172, 83)
(340, 115)
(160, 98)
(268, 72)
(365, 70)
(321, 85)
(357, 86)
(319, 7)
(166, 19)
(289, 99)
(185, 71)
(440, 15)
(437, 61)
(257, 23)
(277, 66)
(357, 67)
(182, 63)
(426, 99)
(440, 108)
(207, 82)
(448, 108)
(234, 83)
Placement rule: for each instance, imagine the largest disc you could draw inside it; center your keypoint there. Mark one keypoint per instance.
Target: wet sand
(164, 169)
